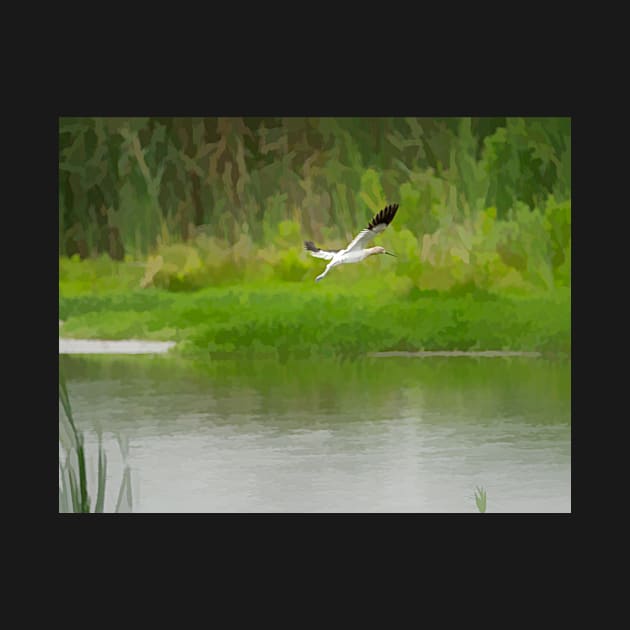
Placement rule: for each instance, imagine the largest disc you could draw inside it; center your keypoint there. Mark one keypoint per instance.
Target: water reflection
(378, 435)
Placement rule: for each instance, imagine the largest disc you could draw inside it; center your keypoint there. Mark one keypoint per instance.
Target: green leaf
(74, 490)
(102, 475)
(480, 499)
(124, 502)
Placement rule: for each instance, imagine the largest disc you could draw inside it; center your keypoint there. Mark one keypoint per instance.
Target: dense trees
(128, 185)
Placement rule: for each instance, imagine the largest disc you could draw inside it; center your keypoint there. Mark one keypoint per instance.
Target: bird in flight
(356, 251)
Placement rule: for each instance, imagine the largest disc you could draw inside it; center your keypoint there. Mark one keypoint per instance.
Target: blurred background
(485, 201)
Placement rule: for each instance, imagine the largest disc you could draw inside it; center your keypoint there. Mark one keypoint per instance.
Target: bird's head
(382, 250)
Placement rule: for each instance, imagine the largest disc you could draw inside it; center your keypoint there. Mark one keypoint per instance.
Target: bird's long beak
(390, 254)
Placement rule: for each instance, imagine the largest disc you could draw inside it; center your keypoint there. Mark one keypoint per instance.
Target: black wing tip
(309, 246)
(386, 215)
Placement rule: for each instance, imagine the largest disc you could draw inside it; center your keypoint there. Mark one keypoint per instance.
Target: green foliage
(527, 160)
(527, 253)
(73, 494)
(219, 209)
(480, 499)
(73, 489)
(130, 185)
(371, 193)
(304, 319)
(98, 274)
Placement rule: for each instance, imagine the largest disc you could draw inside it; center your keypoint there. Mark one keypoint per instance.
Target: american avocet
(356, 251)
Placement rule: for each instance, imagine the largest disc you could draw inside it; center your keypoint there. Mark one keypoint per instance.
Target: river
(386, 434)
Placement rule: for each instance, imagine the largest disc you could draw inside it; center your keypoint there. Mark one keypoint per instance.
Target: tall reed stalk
(480, 499)
(73, 487)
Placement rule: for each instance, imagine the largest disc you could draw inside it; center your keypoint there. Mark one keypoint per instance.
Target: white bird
(356, 251)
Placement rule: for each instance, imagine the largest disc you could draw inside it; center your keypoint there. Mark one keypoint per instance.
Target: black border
(318, 99)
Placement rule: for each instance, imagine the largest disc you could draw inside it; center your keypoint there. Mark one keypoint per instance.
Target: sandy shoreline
(138, 346)
(126, 346)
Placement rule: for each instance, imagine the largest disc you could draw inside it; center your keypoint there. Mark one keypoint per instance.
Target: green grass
(333, 319)
(98, 275)
(480, 499)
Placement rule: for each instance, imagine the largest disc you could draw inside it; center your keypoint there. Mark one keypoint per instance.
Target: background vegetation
(150, 207)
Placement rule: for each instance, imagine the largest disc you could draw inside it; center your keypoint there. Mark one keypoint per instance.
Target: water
(379, 435)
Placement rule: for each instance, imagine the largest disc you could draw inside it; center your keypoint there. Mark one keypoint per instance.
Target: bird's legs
(329, 266)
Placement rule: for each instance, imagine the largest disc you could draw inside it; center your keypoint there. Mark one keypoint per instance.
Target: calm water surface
(379, 435)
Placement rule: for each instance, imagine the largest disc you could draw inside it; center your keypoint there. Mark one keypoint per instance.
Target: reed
(74, 496)
(480, 499)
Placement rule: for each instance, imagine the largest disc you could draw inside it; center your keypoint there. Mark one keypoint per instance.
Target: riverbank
(102, 346)
(278, 320)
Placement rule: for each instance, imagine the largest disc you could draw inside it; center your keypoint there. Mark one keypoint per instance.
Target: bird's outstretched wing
(377, 225)
(309, 246)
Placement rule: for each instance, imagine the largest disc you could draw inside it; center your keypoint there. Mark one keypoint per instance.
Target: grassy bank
(341, 319)
(192, 230)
